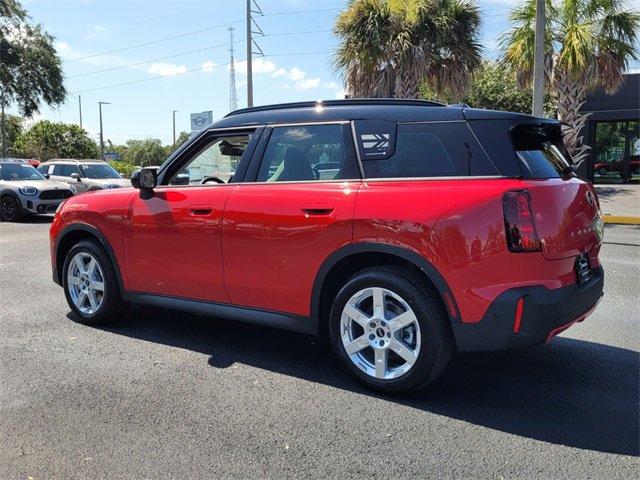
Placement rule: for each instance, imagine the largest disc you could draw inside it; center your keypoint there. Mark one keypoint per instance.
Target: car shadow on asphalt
(35, 219)
(570, 392)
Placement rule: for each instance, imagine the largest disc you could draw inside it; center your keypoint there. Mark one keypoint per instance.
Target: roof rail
(76, 160)
(333, 103)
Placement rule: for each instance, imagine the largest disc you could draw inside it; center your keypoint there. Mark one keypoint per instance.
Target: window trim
(195, 146)
(252, 172)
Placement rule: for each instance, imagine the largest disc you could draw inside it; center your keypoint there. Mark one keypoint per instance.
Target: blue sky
(146, 77)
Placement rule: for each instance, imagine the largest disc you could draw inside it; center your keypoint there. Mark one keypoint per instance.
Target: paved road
(169, 395)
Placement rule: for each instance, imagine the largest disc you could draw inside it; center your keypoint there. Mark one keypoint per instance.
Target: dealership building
(613, 133)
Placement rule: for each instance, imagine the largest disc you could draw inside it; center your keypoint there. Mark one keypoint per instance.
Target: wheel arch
(352, 258)
(74, 233)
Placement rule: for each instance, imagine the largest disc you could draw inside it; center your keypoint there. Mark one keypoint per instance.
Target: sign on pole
(201, 120)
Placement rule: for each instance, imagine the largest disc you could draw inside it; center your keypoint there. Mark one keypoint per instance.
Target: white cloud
(296, 74)
(279, 72)
(63, 48)
(260, 65)
(166, 69)
(208, 66)
(340, 95)
(307, 84)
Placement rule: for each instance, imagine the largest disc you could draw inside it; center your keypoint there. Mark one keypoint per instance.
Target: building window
(616, 153)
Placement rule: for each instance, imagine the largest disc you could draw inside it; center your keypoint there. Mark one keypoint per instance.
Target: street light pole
(538, 63)
(174, 127)
(80, 109)
(101, 137)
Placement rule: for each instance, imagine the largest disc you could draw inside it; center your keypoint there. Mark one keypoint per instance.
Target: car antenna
(469, 155)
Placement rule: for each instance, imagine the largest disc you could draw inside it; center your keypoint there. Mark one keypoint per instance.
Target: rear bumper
(545, 313)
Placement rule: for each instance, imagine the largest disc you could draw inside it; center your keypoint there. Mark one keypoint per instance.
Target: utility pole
(101, 137)
(233, 96)
(4, 134)
(251, 4)
(80, 109)
(174, 127)
(538, 61)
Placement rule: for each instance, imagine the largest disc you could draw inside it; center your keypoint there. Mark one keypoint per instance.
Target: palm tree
(390, 47)
(588, 44)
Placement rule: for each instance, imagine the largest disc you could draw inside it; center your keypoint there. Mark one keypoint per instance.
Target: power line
(186, 34)
(189, 52)
(158, 77)
(153, 42)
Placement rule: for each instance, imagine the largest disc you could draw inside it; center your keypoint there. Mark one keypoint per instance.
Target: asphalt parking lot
(170, 395)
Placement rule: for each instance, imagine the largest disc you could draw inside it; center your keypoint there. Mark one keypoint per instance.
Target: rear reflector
(518, 318)
(519, 223)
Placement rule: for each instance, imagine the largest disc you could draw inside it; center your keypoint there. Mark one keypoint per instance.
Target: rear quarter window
(428, 150)
(540, 150)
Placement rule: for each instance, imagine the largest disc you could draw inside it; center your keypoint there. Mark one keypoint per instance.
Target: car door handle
(317, 209)
(200, 210)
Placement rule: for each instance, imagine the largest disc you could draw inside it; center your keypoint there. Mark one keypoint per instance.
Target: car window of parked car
(435, 149)
(306, 153)
(97, 171)
(218, 159)
(67, 170)
(43, 169)
(19, 171)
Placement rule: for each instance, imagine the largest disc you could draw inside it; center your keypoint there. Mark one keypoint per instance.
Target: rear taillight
(519, 223)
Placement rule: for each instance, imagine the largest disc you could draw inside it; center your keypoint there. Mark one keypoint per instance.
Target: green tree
(148, 152)
(183, 137)
(13, 128)
(46, 140)
(588, 44)
(30, 68)
(494, 86)
(389, 47)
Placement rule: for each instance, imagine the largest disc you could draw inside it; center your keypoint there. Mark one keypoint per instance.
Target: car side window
(306, 153)
(67, 170)
(44, 169)
(218, 160)
(58, 170)
(435, 149)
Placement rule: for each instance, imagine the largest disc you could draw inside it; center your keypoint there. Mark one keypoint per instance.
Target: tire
(107, 305)
(10, 209)
(427, 341)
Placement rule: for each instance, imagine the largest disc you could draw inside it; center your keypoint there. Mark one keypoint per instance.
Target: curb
(620, 220)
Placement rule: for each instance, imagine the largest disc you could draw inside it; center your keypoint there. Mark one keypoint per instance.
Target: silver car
(24, 191)
(85, 175)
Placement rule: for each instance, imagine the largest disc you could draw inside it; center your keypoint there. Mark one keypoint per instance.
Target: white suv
(85, 175)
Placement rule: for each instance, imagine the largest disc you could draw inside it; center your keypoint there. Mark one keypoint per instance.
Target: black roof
(398, 110)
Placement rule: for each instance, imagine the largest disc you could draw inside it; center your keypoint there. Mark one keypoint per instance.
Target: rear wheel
(10, 209)
(90, 284)
(390, 330)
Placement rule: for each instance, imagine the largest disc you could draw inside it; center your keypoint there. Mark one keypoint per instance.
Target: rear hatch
(566, 210)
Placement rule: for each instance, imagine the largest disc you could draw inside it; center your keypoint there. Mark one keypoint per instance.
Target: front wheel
(90, 284)
(10, 209)
(391, 330)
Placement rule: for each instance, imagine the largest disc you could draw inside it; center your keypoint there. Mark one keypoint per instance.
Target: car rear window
(435, 149)
(540, 150)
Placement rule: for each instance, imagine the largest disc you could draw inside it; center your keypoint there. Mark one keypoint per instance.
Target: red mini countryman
(403, 230)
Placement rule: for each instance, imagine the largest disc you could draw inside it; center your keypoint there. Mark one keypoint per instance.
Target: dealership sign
(201, 120)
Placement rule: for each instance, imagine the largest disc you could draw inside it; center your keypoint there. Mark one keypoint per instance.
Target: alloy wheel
(8, 208)
(380, 333)
(85, 282)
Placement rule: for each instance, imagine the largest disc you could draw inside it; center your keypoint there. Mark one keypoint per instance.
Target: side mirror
(76, 176)
(144, 179)
(47, 176)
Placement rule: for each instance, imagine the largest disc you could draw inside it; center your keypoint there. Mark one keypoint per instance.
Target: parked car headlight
(31, 191)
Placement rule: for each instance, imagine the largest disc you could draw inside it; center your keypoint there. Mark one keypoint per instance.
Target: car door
(173, 238)
(294, 209)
